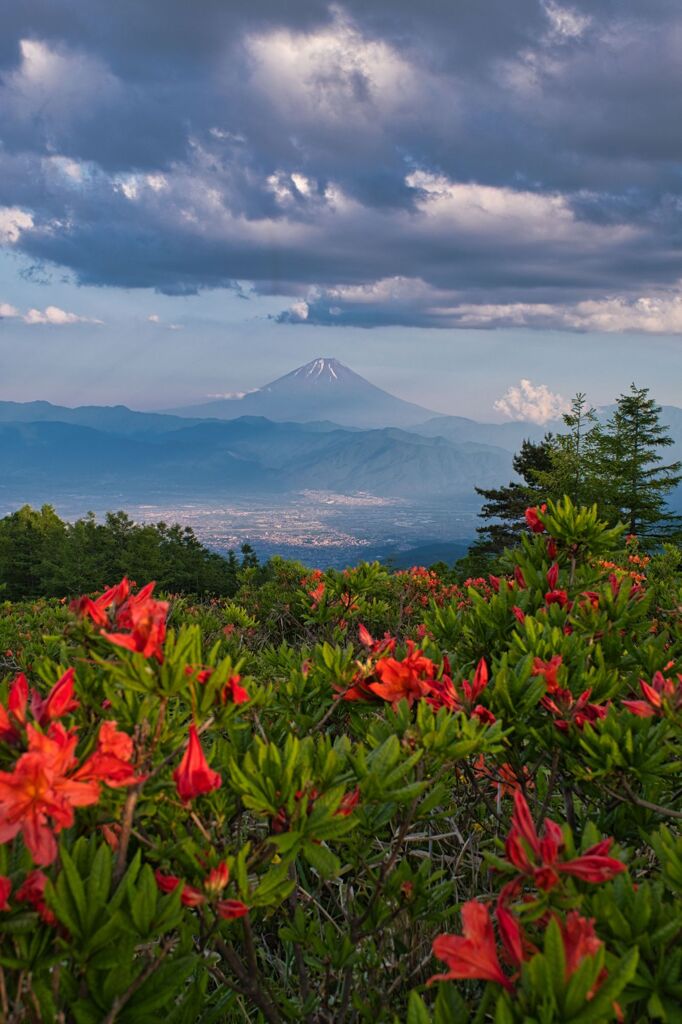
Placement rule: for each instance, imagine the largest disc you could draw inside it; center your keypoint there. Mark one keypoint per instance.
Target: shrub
(350, 796)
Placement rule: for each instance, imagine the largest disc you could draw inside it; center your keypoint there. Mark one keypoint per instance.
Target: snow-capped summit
(323, 389)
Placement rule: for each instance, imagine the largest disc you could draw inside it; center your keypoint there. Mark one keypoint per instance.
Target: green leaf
(416, 1010)
(326, 863)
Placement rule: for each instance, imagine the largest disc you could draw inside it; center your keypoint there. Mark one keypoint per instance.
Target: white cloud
(7, 311)
(534, 402)
(299, 310)
(12, 222)
(154, 318)
(56, 316)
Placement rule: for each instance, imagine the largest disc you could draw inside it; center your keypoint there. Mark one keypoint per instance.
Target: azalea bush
(350, 796)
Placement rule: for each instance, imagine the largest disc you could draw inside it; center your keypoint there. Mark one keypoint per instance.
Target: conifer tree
(506, 505)
(635, 480)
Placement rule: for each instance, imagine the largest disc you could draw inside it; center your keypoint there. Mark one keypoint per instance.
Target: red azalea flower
(409, 679)
(580, 940)
(548, 670)
(37, 798)
(553, 576)
(144, 620)
(349, 802)
(233, 693)
(538, 858)
(559, 597)
(231, 909)
(217, 879)
(5, 890)
(661, 693)
(33, 891)
(13, 717)
(519, 577)
(472, 954)
(567, 709)
(190, 896)
(533, 520)
(58, 702)
(193, 776)
(111, 761)
(519, 614)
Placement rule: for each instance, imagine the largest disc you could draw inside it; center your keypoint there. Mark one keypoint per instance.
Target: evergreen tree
(574, 461)
(505, 506)
(636, 483)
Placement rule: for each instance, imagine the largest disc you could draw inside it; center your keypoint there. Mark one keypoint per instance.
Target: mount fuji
(323, 389)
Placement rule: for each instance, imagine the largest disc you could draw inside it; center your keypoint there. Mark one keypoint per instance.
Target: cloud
(534, 402)
(435, 165)
(56, 316)
(154, 318)
(7, 311)
(12, 222)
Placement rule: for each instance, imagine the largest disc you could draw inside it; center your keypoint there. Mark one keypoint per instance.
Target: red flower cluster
(539, 859)
(134, 621)
(14, 718)
(231, 693)
(213, 885)
(662, 693)
(569, 710)
(38, 797)
(474, 954)
(415, 677)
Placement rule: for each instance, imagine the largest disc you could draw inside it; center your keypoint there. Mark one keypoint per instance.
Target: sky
(474, 203)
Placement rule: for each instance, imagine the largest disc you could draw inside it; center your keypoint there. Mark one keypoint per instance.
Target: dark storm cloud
(491, 154)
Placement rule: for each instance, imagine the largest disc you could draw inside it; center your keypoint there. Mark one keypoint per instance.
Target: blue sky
(450, 198)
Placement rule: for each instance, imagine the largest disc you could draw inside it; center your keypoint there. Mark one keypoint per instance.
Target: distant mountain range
(327, 429)
(323, 389)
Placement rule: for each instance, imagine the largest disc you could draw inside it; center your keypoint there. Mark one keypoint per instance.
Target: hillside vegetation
(350, 796)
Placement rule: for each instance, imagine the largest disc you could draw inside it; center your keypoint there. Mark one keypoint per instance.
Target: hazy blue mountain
(323, 389)
(113, 419)
(503, 435)
(244, 457)
(60, 457)
(395, 463)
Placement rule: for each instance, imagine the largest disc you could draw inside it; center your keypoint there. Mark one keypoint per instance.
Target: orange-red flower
(465, 698)
(661, 692)
(533, 520)
(213, 885)
(538, 858)
(580, 940)
(193, 776)
(472, 954)
(233, 692)
(569, 710)
(409, 679)
(33, 891)
(144, 620)
(37, 798)
(58, 702)
(110, 762)
(548, 670)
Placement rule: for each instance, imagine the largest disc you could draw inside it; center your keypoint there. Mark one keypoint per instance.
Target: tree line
(42, 556)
